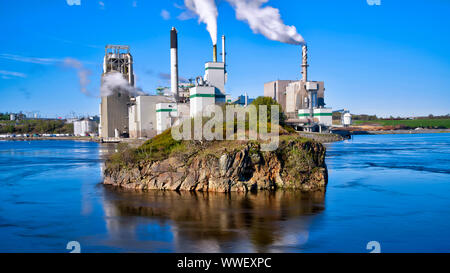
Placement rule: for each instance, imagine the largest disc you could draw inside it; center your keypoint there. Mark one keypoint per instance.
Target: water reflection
(210, 222)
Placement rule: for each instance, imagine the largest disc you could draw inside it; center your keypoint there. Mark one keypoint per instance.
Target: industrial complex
(303, 101)
(124, 115)
(145, 116)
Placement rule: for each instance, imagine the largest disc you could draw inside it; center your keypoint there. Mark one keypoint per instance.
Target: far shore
(352, 131)
(51, 138)
(400, 132)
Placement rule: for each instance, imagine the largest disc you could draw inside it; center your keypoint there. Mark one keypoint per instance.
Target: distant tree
(269, 102)
(4, 116)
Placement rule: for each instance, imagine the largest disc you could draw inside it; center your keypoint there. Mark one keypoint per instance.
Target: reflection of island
(212, 222)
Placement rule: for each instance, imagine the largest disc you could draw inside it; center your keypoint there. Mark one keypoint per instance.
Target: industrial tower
(114, 107)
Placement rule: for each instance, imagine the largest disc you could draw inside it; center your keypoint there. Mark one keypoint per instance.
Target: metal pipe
(130, 70)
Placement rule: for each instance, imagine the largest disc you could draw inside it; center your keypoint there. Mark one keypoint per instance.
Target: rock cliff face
(296, 164)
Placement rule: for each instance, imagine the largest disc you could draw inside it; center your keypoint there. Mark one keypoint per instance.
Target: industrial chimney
(215, 53)
(305, 63)
(174, 62)
(224, 58)
(224, 53)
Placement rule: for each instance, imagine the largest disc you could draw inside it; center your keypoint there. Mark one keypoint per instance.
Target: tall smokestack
(305, 63)
(174, 62)
(224, 52)
(215, 53)
(224, 58)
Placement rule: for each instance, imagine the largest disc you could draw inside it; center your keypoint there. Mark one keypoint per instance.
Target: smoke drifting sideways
(167, 77)
(266, 21)
(114, 81)
(83, 74)
(207, 13)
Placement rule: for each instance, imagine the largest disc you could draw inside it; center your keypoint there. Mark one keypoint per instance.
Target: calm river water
(393, 189)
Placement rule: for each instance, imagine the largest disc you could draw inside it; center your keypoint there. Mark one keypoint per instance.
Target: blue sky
(392, 59)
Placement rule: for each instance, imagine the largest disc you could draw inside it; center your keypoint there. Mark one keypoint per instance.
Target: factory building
(302, 101)
(147, 116)
(84, 127)
(277, 91)
(114, 107)
(142, 117)
(297, 97)
(151, 115)
(166, 115)
(210, 89)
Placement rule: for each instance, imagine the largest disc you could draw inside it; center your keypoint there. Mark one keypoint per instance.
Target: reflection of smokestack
(305, 63)
(174, 62)
(215, 53)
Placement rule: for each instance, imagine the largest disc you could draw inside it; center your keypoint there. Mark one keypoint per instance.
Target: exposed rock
(296, 164)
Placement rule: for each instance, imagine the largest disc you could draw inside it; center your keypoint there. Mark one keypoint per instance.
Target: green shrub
(160, 147)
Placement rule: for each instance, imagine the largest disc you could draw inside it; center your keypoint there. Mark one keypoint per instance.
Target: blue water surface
(393, 189)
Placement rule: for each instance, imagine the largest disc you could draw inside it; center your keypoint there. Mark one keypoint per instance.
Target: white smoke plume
(207, 13)
(266, 20)
(83, 74)
(112, 82)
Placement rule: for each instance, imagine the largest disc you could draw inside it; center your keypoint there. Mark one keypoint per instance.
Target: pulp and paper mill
(124, 115)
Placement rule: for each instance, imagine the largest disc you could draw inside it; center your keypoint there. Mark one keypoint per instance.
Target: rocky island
(219, 166)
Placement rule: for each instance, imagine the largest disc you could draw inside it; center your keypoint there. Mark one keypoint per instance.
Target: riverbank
(418, 131)
(17, 138)
(128, 141)
(375, 130)
(321, 137)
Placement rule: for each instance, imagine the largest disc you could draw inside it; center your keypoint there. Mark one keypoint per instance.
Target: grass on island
(163, 146)
(410, 123)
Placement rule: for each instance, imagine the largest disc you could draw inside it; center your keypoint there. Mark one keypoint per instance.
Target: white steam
(266, 21)
(115, 82)
(83, 74)
(207, 13)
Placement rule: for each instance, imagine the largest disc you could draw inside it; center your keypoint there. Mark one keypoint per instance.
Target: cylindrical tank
(347, 120)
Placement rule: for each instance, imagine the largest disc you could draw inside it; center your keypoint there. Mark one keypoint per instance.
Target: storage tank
(347, 119)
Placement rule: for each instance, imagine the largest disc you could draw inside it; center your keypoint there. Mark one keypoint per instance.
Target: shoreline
(51, 138)
(320, 137)
(399, 132)
(403, 132)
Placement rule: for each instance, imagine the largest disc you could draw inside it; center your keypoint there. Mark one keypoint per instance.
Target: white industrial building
(142, 117)
(210, 89)
(84, 127)
(166, 115)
